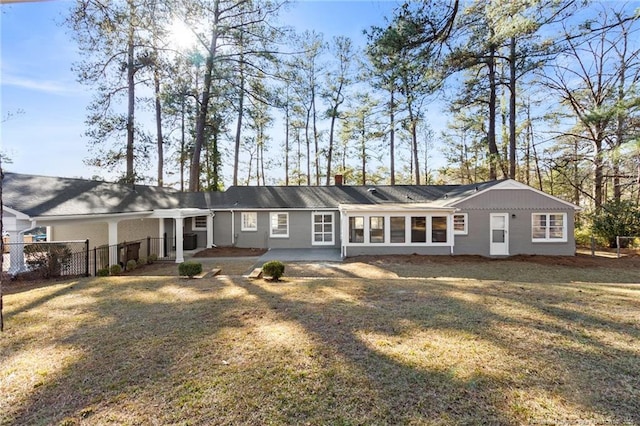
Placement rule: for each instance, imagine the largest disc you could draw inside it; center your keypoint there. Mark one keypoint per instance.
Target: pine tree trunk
(491, 131)
(156, 83)
(203, 110)
(512, 108)
(131, 98)
(392, 142)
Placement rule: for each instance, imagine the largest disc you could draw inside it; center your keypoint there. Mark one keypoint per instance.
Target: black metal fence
(48, 259)
(104, 256)
(74, 258)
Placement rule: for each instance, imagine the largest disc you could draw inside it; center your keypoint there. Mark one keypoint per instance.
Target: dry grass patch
(226, 350)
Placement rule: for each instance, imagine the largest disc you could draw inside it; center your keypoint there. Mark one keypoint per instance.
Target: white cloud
(46, 86)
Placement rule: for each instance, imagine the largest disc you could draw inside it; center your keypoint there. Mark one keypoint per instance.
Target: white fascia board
(514, 184)
(177, 213)
(19, 215)
(395, 207)
(278, 209)
(102, 217)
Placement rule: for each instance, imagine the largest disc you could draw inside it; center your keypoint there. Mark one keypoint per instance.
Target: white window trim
(198, 228)
(407, 229)
(333, 229)
(465, 231)
(271, 234)
(547, 239)
(247, 228)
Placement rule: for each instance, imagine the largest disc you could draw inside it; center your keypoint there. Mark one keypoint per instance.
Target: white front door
(499, 234)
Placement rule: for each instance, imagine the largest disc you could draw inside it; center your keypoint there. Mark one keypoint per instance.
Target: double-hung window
(279, 225)
(199, 223)
(460, 224)
(249, 221)
(549, 227)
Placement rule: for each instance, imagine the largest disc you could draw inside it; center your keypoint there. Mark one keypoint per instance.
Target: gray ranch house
(496, 218)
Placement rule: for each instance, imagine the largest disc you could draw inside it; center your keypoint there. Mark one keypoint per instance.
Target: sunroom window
(418, 229)
(376, 229)
(397, 228)
(356, 229)
(439, 229)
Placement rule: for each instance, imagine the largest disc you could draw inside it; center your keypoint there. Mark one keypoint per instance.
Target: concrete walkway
(302, 255)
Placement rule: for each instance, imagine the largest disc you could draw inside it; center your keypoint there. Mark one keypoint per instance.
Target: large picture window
(549, 227)
(279, 225)
(356, 229)
(249, 221)
(322, 228)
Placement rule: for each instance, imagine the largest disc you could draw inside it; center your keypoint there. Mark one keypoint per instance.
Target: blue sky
(44, 134)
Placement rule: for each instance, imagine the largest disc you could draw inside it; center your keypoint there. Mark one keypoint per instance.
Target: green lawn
(447, 349)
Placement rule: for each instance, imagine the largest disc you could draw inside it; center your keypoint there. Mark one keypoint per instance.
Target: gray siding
(366, 250)
(222, 229)
(518, 204)
(512, 199)
(300, 225)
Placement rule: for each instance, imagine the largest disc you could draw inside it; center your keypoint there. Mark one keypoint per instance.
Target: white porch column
(16, 253)
(210, 229)
(179, 239)
(161, 231)
(113, 241)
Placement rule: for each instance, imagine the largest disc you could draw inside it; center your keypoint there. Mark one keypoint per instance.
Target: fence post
(86, 257)
(164, 245)
(148, 246)
(618, 245)
(95, 261)
(593, 246)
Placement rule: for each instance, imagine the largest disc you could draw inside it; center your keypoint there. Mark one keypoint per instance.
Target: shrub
(273, 269)
(617, 219)
(115, 269)
(131, 264)
(48, 260)
(152, 258)
(104, 272)
(142, 261)
(189, 269)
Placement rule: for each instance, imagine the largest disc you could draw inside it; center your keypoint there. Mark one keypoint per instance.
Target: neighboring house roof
(43, 196)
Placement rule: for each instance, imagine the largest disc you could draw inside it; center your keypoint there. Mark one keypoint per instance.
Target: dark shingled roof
(56, 196)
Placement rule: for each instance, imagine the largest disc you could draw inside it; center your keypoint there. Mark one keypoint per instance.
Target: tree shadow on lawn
(596, 379)
(231, 351)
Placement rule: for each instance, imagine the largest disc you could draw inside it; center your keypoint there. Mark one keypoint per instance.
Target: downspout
(210, 233)
(450, 229)
(233, 228)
